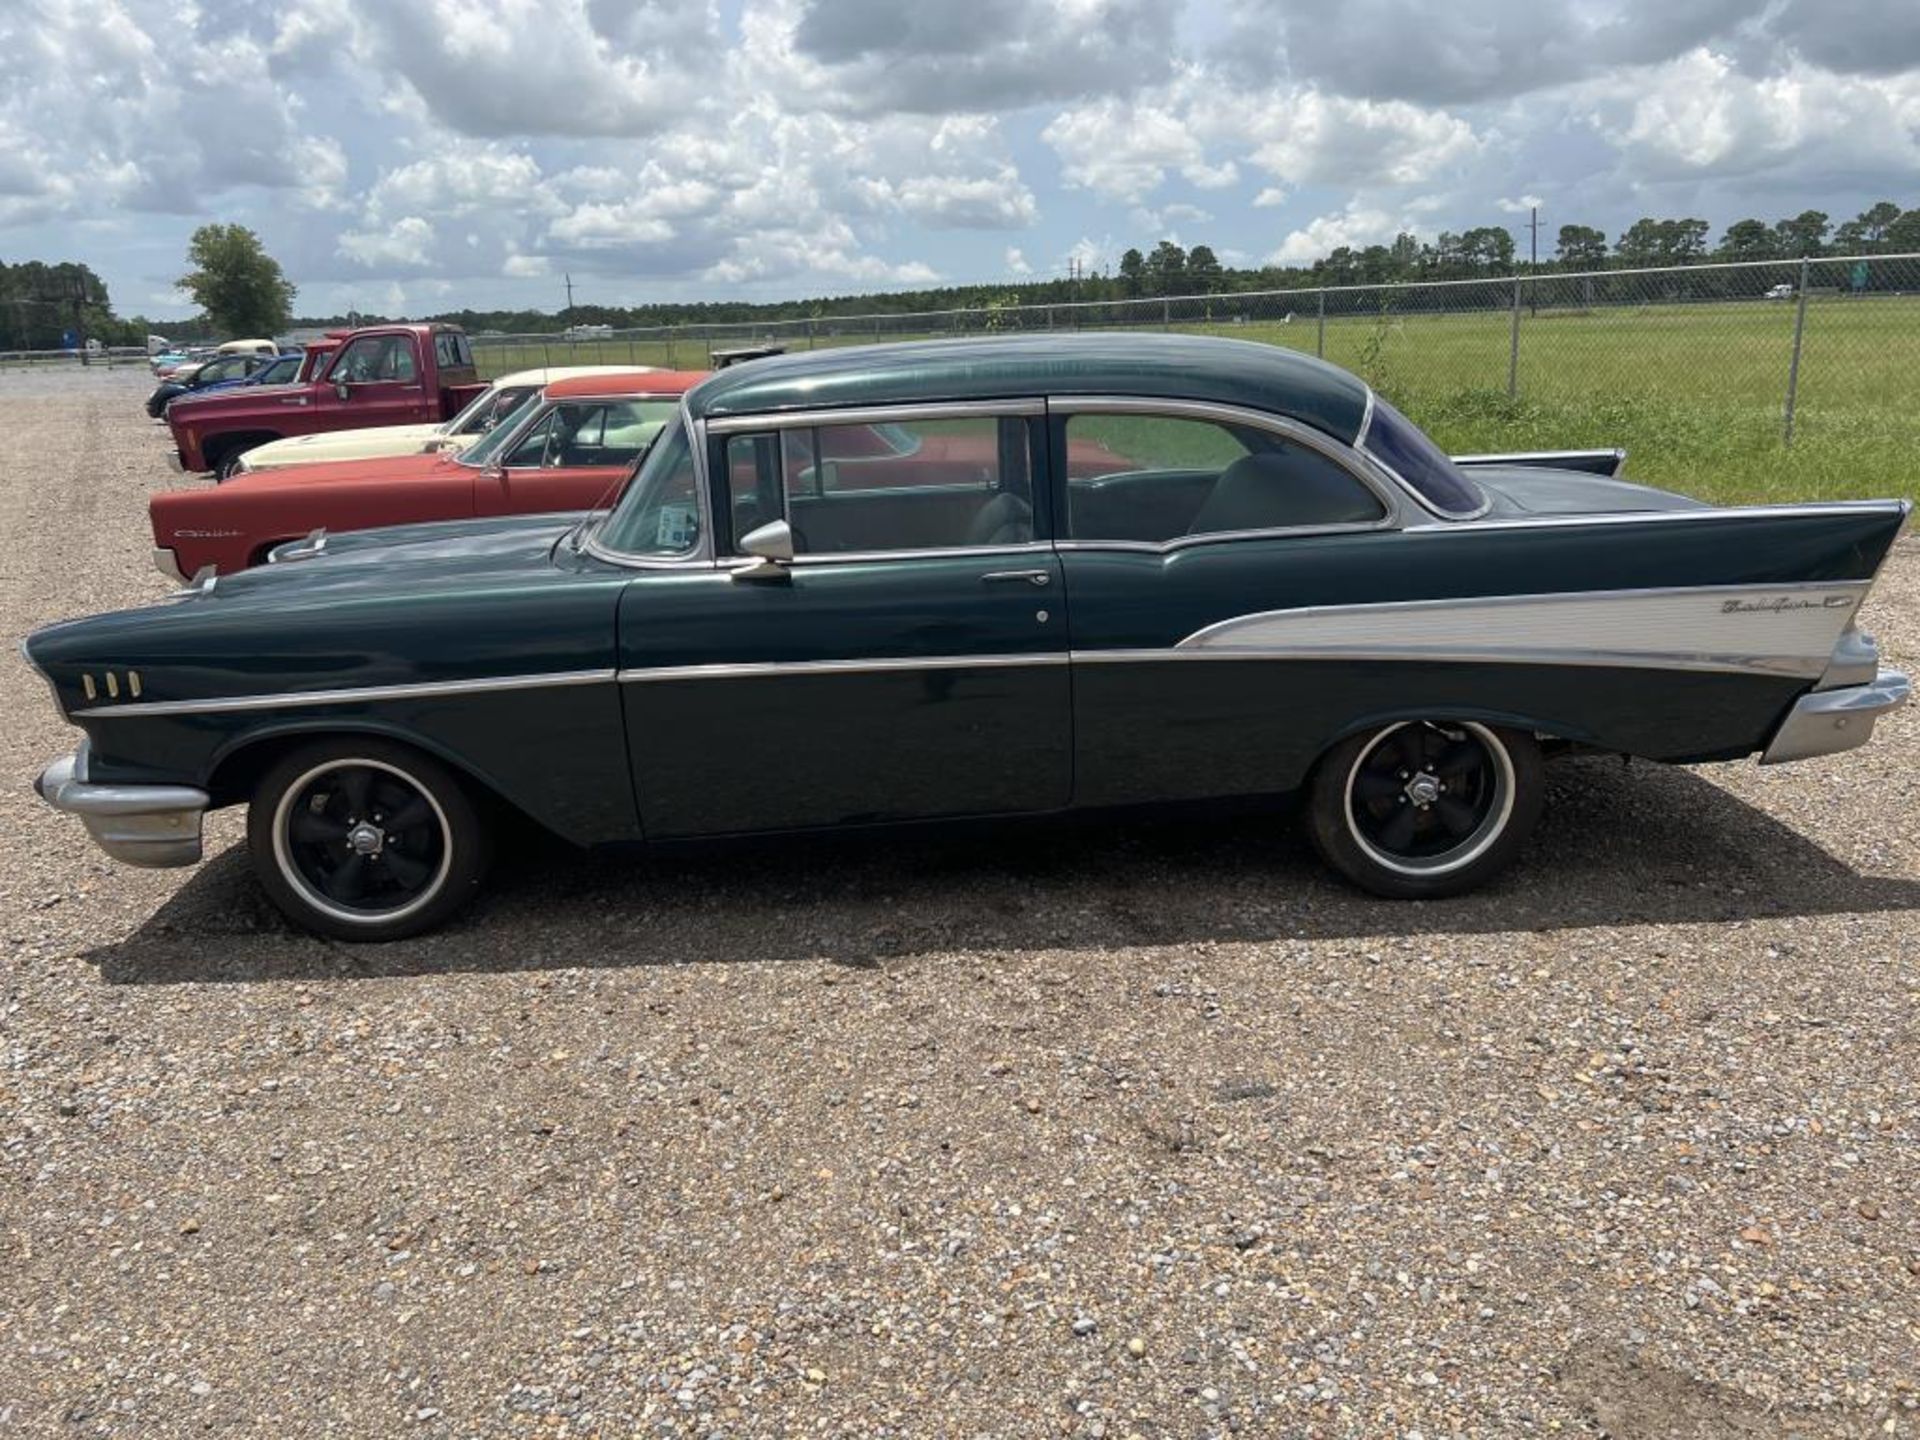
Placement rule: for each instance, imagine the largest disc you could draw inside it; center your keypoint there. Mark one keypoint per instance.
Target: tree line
(242, 291)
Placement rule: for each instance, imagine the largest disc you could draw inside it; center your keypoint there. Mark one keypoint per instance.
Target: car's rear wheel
(1422, 809)
(363, 839)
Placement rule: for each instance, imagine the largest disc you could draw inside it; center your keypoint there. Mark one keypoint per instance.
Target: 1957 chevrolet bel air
(865, 586)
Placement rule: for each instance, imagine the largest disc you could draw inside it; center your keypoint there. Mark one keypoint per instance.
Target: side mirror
(771, 545)
(342, 389)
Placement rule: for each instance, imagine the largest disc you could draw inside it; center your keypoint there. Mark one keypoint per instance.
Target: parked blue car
(226, 373)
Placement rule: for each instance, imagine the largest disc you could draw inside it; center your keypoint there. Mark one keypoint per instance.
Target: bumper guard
(151, 825)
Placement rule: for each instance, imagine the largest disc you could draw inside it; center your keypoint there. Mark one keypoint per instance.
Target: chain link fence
(1804, 375)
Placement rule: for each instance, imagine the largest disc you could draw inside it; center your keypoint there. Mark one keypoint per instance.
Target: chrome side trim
(1789, 667)
(1664, 517)
(1783, 629)
(1830, 721)
(1552, 459)
(755, 669)
(872, 415)
(150, 825)
(361, 695)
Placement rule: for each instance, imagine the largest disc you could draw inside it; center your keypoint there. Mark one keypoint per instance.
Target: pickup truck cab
(492, 407)
(570, 448)
(381, 375)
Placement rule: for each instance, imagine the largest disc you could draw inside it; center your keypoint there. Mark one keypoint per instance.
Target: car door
(908, 664)
(1178, 518)
(575, 457)
(382, 382)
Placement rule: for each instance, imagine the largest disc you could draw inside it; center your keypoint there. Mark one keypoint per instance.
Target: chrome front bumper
(1829, 721)
(174, 460)
(152, 825)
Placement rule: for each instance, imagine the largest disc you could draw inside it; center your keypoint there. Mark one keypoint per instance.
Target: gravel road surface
(1104, 1131)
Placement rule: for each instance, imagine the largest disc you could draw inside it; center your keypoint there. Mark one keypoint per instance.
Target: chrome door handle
(1032, 577)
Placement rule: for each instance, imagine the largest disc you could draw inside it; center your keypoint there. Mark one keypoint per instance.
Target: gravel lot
(1102, 1131)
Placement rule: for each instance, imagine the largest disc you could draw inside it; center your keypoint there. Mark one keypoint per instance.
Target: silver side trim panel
(362, 695)
(150, 825)
(1781, 630)
(756, 669)
(1669, 517)
(1830, 721)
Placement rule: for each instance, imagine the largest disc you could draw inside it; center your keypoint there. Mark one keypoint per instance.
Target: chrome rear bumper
(1829, 721)
(152, 825)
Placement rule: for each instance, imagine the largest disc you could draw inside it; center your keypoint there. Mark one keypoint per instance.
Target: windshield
(484, 450)
(659, 515)
(1400, 445)
(488, 409)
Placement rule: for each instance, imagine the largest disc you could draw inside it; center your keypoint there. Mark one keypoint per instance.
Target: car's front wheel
(363, 839)
(1422, 809)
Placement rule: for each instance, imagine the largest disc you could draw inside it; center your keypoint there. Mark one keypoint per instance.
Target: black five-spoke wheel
(1423, 808)
(364, 840)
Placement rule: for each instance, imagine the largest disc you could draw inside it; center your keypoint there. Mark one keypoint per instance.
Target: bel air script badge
(1785, 602)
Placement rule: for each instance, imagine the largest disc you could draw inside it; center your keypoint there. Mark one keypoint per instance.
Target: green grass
(1696, 393)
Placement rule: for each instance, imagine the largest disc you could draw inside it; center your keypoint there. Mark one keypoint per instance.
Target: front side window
(583, 433)
(659, 513)
(1403, 447)
(1157, 478)
(374, 358)
(933, 484)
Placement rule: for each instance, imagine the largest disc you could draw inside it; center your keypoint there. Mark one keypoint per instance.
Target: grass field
(1696, 393)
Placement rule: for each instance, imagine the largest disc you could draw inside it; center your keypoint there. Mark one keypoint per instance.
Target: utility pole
(569, 292)
(1533, 252)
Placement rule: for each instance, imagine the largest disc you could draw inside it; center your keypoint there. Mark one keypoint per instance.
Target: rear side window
(1155, 478)
(1403, 447)
(932, 484)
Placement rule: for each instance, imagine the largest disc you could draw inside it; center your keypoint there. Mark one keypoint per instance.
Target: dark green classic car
(982, 578)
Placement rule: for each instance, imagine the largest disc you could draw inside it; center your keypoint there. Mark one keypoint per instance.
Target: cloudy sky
(410, 155)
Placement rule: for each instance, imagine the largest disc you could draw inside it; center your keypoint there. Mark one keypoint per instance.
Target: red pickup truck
(568, 448)
(382, 375)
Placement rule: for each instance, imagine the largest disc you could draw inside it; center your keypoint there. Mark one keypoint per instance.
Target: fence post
(673, 332)
(1793, 366)
(809, 333)
(1166, 313)
(1320, 335)
(1513, 345)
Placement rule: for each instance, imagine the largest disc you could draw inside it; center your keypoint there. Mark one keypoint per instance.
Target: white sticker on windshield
(679, 525)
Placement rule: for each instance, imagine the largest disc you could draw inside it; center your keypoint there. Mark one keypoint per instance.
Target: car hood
(397, 438)
(499, 550)
(373, 469)
(1520, 490)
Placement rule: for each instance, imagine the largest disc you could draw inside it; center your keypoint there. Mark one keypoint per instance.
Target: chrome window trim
(750, 669)
(729, 563)
(1366, 422)
(701, 557)
(875, 414)
(364, 694)
(1354, 462)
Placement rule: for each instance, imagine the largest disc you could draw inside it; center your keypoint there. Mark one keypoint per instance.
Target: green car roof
(1186, 367)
